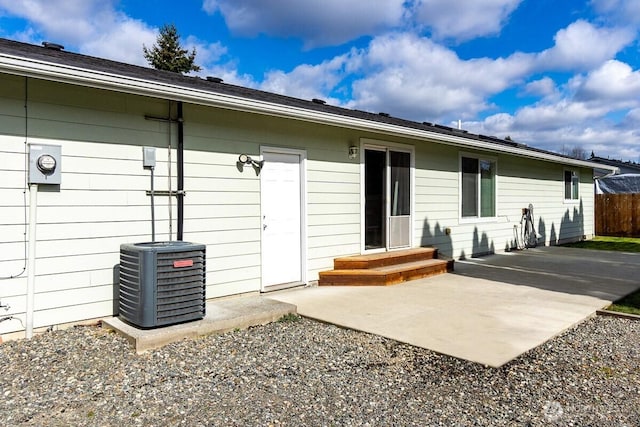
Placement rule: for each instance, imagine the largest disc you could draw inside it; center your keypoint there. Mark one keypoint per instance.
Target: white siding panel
(333, 230)
(222, 237)
(330, 209)
(75, 280)
(71, 297)
(128, 230)
(327, 169)
(336, 239)
(233, 288)
(12, 161)
(207, 183)
(335, 177)
(223, 211)
(14, 287)
(216, 277)
(68, 264)
(335, 198)
(333, 187)
(328, 252)
(106, 198)
(80, 312)
(333, 212)
(218, 250)
(222, 224)
(335, 220)
(218, 198)
(12, 179)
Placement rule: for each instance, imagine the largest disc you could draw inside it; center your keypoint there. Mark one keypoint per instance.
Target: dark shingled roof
(62, 57)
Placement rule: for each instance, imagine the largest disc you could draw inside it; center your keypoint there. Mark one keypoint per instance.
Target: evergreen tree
(168, 55)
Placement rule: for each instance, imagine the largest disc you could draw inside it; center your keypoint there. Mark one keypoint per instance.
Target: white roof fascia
(101, 80)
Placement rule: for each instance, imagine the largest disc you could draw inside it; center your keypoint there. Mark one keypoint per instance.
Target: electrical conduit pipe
(31, 259)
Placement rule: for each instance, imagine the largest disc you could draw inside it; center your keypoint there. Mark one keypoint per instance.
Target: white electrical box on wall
(148, 157)
(45, 164)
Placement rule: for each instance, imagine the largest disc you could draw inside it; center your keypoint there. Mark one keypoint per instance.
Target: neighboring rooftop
(624, 167)
(53, 53)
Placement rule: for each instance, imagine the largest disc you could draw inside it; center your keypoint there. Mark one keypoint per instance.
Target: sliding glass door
(387, 198)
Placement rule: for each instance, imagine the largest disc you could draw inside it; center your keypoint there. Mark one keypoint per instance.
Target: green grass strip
(620, 244)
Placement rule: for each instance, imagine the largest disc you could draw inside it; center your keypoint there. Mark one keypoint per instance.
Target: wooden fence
(618, 215)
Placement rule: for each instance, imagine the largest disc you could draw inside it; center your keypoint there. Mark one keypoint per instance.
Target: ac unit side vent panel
(162, 283)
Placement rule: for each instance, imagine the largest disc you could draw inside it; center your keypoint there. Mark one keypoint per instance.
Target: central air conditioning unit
(161, 283)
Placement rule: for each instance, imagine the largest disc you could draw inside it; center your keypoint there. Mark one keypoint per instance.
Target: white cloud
(206, 53)
(122, 42)
(613, 87)
(415, 78)
(620, 11)
(543, 87)
(309, 81)
(582, 114)
(93, 26)
(317, 22)
(598, 136)
(59, 19)
(632, 119)
(614, 83)
(582, 46)
(333, 22)
(464, 19)
(552, 116)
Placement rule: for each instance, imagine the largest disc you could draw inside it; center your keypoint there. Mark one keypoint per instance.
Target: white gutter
(101, 80)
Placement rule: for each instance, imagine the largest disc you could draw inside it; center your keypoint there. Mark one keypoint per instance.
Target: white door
(282, 205)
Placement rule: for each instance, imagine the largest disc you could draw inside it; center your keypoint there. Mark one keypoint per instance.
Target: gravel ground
(301, 372)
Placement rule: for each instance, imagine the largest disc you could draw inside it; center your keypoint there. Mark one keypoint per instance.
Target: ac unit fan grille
(130, 293)
(180, 290)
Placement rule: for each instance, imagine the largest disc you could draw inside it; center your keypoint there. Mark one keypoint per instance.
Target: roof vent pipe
(318, 101)
(52, 46)
(214, 79)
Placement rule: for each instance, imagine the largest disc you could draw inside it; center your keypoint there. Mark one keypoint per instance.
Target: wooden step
(385, 275)
(384, 259)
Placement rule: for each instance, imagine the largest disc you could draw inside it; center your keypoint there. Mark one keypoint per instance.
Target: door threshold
(281, 286)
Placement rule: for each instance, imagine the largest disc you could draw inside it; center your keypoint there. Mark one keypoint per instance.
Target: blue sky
(554, 74)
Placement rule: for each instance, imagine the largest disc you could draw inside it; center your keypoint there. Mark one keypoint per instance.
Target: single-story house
(624, 168)
(626, 180)
(275, 187)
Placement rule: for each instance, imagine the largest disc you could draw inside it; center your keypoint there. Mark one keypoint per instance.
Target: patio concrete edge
(617, 314)
(222, 316)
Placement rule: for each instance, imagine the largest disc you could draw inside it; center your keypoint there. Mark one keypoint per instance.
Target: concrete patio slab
(490, 310)
(221, 316)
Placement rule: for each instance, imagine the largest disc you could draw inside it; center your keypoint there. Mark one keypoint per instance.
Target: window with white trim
(478, 187)
(571, 185)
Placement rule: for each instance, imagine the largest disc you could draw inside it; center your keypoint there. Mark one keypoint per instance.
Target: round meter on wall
(47, 164)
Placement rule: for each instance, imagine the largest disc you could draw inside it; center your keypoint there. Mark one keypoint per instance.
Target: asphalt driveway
(490, 310)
